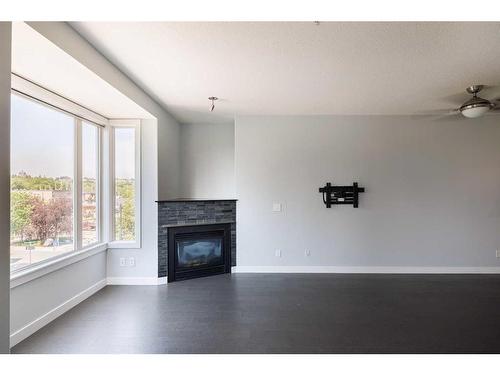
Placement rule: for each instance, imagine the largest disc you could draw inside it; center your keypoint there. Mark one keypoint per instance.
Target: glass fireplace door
(198, 252)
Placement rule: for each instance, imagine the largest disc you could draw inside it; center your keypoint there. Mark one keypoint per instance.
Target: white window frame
(99, 184)
(112, 243)
(38, 94)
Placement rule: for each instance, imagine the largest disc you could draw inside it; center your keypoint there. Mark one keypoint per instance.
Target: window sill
(124, 245)
(25, 275)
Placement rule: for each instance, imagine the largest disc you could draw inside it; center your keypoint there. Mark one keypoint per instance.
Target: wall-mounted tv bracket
(341, 194)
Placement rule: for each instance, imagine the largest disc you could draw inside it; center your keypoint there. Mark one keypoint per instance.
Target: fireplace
(182, 222)
(198, 251)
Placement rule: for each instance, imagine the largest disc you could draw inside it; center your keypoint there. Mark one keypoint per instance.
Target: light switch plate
(131, 262)
(123, 262)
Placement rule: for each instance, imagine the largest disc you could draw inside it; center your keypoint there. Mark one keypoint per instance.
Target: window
(42, 177)
(126, 183)
(48, 219)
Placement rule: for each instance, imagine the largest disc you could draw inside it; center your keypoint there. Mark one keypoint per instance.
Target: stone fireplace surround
(189, 212)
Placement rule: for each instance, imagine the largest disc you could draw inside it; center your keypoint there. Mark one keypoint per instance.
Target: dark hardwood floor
(284, 313)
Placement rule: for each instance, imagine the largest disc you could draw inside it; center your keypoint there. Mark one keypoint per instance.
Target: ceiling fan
(476, 106)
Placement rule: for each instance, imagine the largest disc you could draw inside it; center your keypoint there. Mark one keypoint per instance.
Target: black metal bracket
(341, 194)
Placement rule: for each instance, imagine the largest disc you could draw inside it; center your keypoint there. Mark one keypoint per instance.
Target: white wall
(5, 53)
(52, 294)
(207, 160)
(432, 191)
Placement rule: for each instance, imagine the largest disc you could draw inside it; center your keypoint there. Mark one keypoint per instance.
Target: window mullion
(111, 203)
(98, 187)
(138, 184)
(77, 212)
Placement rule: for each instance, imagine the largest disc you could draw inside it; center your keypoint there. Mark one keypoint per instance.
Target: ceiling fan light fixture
(476, 106)
(474, 112)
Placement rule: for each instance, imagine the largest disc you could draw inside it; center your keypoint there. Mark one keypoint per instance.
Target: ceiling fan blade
(450, 112)
(455, 118)
(436, 112)
(438, 115)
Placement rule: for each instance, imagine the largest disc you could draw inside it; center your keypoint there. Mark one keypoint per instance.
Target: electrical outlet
(123, 262)
(498, 253)
(278, 253)
(307, 253)
(131, 262)
(277, 207)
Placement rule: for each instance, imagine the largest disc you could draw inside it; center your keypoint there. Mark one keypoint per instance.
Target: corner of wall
(5, 68)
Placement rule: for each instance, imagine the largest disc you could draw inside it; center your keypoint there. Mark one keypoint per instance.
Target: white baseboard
(136, 280)
(390, 269)
(45, 319)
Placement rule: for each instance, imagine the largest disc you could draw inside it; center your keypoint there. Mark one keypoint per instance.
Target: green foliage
(125, 210)
(33, 218)
(21, 207)
(89, 185)
(26, 182)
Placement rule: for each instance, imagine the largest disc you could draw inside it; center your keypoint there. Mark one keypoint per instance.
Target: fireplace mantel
(198, 223)
(195, 200)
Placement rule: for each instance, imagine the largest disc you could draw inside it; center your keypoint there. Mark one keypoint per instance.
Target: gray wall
(432, 191)
(5, 49)
(207, 160)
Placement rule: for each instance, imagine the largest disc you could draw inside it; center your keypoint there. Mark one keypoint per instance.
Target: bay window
(67, 195)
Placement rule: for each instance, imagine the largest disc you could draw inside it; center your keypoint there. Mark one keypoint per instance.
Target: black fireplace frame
(223, 229)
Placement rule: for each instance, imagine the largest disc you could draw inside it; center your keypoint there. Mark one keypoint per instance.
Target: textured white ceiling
(36, 58)
(300, 68)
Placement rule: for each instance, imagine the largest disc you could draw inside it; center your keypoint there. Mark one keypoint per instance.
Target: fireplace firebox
(198, 251)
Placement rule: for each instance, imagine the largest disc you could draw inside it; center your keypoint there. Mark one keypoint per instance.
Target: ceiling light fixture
(213, 99)
(476, 106)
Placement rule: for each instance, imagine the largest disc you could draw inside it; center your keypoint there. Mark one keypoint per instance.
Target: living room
(224, 187)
